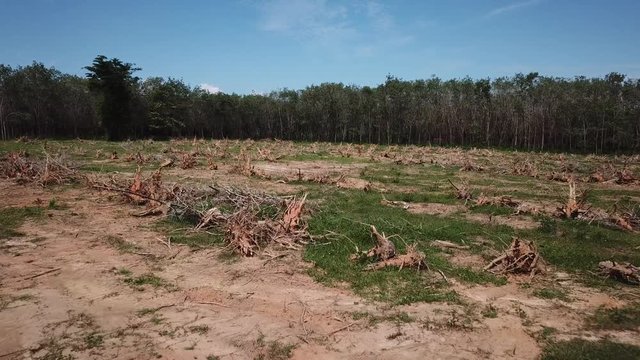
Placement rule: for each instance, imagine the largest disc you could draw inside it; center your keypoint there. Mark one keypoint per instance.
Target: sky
(251, 46)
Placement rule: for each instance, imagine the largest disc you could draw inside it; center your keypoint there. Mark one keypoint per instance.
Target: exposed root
(43, 172)
(384, 248)
(624, 272)
(384, 253)
(412, 258)
(462, 192)
(140, 191)
(575, 205)
(254, 220)
(521, 257)
(187, 161)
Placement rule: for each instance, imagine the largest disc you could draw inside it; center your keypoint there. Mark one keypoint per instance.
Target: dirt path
(70, 295)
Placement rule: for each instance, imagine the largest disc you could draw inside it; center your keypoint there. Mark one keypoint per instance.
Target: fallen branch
(624, 272)
(42, 273)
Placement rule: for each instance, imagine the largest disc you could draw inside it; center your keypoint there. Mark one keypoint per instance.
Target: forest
(524, 111)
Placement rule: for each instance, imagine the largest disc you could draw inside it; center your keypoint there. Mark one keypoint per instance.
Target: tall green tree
(114, 80)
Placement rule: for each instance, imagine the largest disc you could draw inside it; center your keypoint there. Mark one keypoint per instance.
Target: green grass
(578, 247)
(579, 349)
(624, 318)
(7, 300)
(199, 329)
(149, 279)
(12, 218)
(180, 233)
(490, 312)
(348, 212)
(55, 205)
(551, 293)
(121, 244)
(273, 350)
(93, 340)
(396, 318)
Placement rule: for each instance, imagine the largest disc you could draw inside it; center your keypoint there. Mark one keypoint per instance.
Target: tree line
(524, 111)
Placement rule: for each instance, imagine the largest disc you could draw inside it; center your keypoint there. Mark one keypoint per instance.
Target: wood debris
(48, 171)
(148, 191)
(462, 192)
(448, 245)
(384, 254)
(412, 258)
(187, 161)
(521, 257)
(250, 220)
(624, 272)
(575, 205)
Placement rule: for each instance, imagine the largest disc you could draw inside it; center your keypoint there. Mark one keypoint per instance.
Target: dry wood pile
(462, 192)
(43, 172)
(243, 166)
(469, 165)
(148, 191)
(575, 206)
(250, 220)
(266, 154)
(525, 168)
(138, 158)
(384, 254)
(521, 257)
(188, 160)
(624, 272)
(609, 174)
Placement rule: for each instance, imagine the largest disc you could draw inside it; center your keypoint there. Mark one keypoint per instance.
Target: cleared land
(84, 277)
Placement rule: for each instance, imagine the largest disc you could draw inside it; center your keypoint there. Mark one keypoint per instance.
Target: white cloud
(361, 28)
(211, 89)
(512, 7)
(306, 19)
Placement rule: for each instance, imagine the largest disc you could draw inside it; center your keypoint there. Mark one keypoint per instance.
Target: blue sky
(248, 45)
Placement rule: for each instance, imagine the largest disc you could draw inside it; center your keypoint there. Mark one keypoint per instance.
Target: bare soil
(234, 309)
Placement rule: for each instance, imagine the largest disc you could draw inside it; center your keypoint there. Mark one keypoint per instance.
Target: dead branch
(521, 257)
(412, 258)
(624, 272)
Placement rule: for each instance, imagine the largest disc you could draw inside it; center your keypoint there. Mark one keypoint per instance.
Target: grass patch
(579, 349)
(7, 300)
(121, 244)
(490, 312)
(199, 329)
(149, 279)
(347, 212)
(551, 293)
(577, 246)
(93, 340)
(273, 350)
(12, 218)
(624, 318)
(396, 318)
(180, 233)
(55, 205)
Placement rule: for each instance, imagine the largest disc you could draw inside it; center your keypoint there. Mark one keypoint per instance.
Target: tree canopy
(524, 111)
(113, 79)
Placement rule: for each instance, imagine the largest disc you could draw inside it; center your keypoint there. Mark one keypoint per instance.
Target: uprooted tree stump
(384, 248)
(462, 192)
(52, 170)
(384, 253)
(624, 272)
(521, 257)
(575, 205)
(413, 258)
